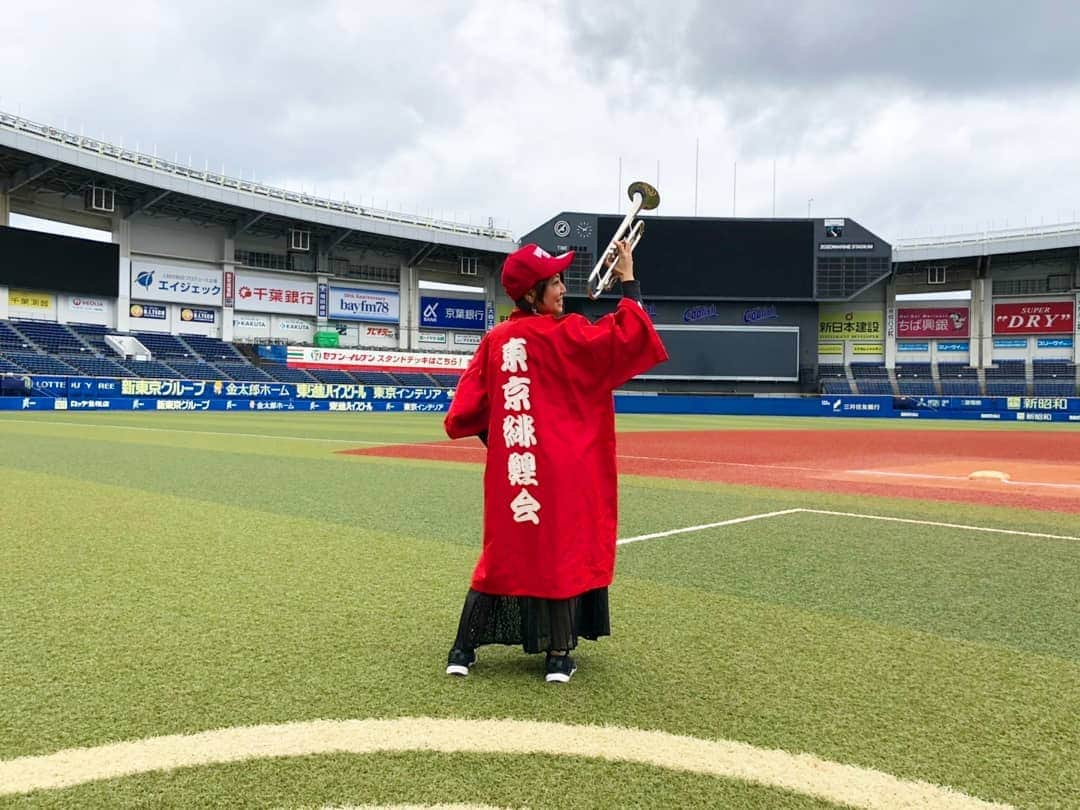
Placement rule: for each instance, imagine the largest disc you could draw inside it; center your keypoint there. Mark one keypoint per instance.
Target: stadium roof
(988, 243)
(40, 158)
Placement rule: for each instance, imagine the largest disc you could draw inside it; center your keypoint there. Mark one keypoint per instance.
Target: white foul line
(730, 522)
(1007, 481)
(856, 515)
(961, 526)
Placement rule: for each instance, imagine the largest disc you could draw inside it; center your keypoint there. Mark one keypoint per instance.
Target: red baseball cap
(527, 266)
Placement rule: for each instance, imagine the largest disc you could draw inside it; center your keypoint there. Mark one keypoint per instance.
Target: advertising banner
(382, 336)
(956, 346)
(830, 348)
(843, 323)
(324, 300)
(178, 284)
(153, 312)
(353, 304)
(1054, 343)
(246, 325)
(466, 341)
(81, 305)
(452, 313)
(161, 404)
(230, 288)
(29, 300)
(867, 348)
(191, 315)
(1010, 343)
(292, 329)
(375, 359)
(943, 322)
(28, 304)
(913, 347)
(1034, 318)
(284, 294)
(432, 338)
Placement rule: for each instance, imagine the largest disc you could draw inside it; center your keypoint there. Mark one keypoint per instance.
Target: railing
(989, 237)
(119, 153)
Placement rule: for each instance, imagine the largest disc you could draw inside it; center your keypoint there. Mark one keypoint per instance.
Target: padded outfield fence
(48, 393)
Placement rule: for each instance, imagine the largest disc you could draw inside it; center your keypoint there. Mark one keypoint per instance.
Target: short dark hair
(538, 291)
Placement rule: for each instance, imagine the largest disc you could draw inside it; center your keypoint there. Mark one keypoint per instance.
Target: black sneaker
(559, 668)
(459, 661)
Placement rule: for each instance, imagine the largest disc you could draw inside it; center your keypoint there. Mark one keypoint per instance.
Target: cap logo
(540, 253)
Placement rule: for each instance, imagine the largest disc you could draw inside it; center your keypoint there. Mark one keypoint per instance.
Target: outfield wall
(49, 393)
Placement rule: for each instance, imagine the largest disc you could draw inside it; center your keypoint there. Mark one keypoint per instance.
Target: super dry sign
(1034, 318)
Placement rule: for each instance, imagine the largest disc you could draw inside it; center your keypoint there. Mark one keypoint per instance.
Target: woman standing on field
(538, 392)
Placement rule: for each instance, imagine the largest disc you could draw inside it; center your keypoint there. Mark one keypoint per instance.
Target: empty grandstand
(201, 269)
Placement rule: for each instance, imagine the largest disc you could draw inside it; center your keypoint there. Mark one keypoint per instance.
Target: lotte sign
(1034, 318)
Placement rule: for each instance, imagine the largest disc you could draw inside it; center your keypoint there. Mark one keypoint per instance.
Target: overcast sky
(914, 118)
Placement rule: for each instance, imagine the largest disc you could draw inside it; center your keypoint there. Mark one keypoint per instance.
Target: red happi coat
(541, 386)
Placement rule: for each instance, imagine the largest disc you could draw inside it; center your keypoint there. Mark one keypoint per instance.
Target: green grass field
(181, 573)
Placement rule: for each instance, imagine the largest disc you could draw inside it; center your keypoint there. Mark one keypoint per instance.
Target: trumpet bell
(650, 197)
(643, 197)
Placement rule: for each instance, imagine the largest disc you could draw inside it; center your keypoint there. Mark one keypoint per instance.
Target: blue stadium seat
(375, 378)
(10, 339)
(869, 371)
(1053, 388)
(446, 380)
(164, 346)
(957, 371)
(873, 386)
(212, 349)
(332, 376)
(960, 387)
(835, 387)
(288, 375)
(152, 369)
(94, 366)
(54, 338)
(41, 363)
(1002, 387)
(7, 366)
(195, 370)
(412, 379)
(242, 372)
(94, 336)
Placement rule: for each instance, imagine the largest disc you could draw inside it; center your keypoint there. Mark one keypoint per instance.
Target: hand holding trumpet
(621, 262)
(616, 260)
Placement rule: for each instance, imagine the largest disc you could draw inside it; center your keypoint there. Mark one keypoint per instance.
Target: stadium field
(253, 610)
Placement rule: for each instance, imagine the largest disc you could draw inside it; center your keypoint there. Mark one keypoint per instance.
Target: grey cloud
(720, 48)
(275, 88)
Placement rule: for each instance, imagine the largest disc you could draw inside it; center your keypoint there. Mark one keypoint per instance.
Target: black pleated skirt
(538, 625)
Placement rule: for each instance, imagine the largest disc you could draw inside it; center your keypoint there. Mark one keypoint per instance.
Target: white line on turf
(960, 526)
(1007, 482)
(730, 522)
(805, 774)
(854, 515)
(714, 463)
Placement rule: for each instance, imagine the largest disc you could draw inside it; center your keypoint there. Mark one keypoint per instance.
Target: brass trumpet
(643, 197)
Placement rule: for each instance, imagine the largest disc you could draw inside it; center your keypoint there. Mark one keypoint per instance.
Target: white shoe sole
(558, 677)
(457, 669)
